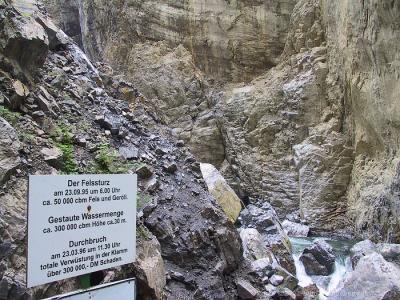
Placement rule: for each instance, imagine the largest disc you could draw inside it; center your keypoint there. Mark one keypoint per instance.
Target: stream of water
(326, 284)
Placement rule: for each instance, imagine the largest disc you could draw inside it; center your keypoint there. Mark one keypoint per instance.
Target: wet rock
(144, 171)
(129, 153)
(295, 229)
(152, 184)
(222, 192)
(57, 38)
(373, 278)
(361, 249)
(262, 267)
(253, 245)
(391, 252)
(246, 290)
(284, 294)
(149, 267)
(9, 147)
(276, 280)
(53, 156)
(310, 292)
(230, 248)
(109, 123)
(170, 167)
(318, 259)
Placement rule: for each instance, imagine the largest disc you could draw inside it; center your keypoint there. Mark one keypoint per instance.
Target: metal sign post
(121, 290)
(78, 224)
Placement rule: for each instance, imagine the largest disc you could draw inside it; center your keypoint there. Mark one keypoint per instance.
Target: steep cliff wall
(363, 38)
(229, 40)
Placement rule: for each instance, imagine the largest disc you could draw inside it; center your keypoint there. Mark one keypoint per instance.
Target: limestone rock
(253, 246)
(324, 162)
(276, 280)
(221, 191)
(9, 147)
(295, 229)
(373, 278)
(129, 153)
(391, 252)
(361, 249)
(53, 156)
(149, 268)
(232, 46)
(24, 42)
(266, 221)
(57, 38)
(373, 203)
(246, 290)
(318, 259)
(19, 93)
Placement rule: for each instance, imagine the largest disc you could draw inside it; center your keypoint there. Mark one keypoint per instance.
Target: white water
(325, 284)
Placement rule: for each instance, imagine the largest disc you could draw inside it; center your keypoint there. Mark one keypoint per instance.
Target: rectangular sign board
(124, 289)
(79, 224)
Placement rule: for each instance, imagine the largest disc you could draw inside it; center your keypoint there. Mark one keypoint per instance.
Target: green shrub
(63, 137)
(8, 115)
(142, 200)
(69, 163)
(107, 161)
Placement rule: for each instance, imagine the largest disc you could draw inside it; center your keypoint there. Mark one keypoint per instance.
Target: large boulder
(318, 259)
(149, 266)
(391, 252)
(222, 192)
(23, 41)
(373, 278)
(253, 245)
(361, 249)
(295, 229)
(9, 147)
(265, 220)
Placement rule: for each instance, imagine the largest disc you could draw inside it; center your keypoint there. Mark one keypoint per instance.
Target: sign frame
(131, 202)
(96, 288)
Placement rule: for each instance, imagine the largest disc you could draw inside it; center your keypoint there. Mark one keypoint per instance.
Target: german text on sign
(79, 224)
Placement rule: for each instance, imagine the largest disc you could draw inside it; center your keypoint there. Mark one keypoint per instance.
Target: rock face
(318, 259)
(318, 103)
(9, 147)
(231, 40)
(223, 193)
(364, 57)
(373, 278)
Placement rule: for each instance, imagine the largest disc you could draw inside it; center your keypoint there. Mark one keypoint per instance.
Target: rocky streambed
(342, 263)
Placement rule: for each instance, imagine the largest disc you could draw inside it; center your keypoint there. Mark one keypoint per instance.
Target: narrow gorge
(265, 135)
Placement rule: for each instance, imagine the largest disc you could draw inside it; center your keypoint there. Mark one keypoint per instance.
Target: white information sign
(121, 290)
(79, 224)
